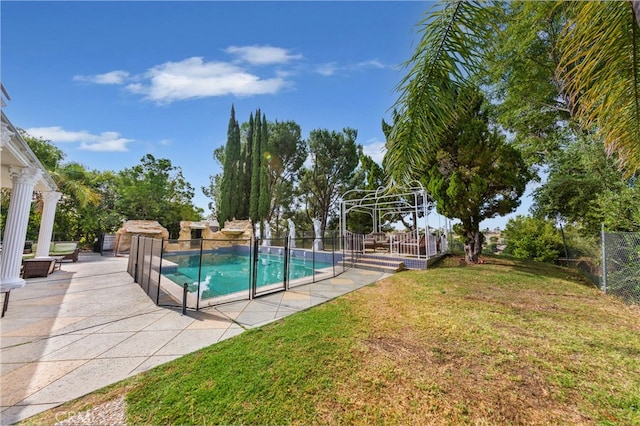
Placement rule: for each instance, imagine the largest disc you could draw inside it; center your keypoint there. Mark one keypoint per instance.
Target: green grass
(506, 342)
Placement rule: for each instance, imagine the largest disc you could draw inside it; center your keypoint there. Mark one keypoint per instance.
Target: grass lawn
(506, 342)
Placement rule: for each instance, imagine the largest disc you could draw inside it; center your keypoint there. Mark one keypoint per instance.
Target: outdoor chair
(68, 249)
(411, 247)
(376, 240)
(40, 267)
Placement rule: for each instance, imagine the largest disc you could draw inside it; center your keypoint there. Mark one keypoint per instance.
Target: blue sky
(109, 82)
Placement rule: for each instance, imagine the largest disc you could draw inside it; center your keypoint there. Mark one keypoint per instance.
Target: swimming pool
(224, 274)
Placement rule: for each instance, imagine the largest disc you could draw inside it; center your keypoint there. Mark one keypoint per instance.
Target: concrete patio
(89, 325)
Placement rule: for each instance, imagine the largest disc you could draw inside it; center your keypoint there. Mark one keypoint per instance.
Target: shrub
(531, 238)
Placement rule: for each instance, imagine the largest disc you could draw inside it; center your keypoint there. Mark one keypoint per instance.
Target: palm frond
(451, 51)
(600, 66)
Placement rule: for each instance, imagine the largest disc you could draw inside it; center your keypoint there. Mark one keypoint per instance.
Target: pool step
(373, 263)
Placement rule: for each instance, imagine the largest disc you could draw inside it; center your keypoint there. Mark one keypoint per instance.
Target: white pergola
(383, 203)
(23, 174)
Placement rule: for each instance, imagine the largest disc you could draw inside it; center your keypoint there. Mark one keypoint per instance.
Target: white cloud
(374, 149)
(327, 69)
(262, 55)
(194, 78)
(104, 142)
(373, 63)
(113, 77)
(332, 68)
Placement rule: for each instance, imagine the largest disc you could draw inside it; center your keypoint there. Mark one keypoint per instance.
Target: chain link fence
(621, 265)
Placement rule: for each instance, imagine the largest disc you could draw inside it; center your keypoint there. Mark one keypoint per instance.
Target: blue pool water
(224, 274)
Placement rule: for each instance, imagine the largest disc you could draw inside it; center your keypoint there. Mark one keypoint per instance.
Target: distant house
(24, 175)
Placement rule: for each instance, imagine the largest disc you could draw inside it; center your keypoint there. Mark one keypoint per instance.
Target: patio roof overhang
(16, 153)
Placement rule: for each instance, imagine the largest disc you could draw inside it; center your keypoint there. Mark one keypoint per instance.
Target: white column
(15, 232)
(49, 200)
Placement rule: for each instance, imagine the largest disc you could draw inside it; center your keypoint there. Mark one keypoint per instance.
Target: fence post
(199, 275)
(333, 253)
(313, 260)
(160, 271)
(135, 273)
(185, 290)
(285, 263)
(150, 265)
(604, 260)
(254, 274)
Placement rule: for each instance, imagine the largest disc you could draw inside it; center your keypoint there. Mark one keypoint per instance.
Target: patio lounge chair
(68, 249)
(40, 267)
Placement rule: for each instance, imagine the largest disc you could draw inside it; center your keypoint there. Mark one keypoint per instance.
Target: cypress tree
(254, 194)
(264, 201)
(247, 164)
(229, 199)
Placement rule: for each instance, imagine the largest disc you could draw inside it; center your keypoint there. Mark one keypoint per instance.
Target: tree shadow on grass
(528, 267)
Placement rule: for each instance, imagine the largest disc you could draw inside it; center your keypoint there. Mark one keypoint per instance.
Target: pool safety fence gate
(193, 274)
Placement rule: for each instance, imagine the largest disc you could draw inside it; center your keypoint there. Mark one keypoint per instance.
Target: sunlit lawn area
(505, 342)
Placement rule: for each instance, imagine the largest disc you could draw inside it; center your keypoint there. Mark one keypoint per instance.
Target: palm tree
(599, 67)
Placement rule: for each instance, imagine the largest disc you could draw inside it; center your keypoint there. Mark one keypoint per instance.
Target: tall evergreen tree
(264, 196)
(474, 174)
(230, 188)
(254, 197)
(247, 165)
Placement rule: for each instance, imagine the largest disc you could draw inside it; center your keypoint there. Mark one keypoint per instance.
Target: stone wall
(233, 233)
(147, 228)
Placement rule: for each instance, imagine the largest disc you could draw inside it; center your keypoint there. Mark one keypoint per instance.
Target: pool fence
(158, 266)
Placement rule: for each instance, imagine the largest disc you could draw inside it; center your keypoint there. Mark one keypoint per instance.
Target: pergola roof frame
(386, 200)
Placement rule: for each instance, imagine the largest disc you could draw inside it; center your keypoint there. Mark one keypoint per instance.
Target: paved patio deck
(89, 325)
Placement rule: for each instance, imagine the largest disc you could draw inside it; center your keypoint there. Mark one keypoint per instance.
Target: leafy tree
(474, 174)
(104, 216)
(535, 106)
(585, 187)
(598, 66)
(368, 176)
(620, 210)
(78, 194)
(156, 190)
(531, 238)
(212, 191)
(49, 155)
(285, 156)
(524, 85)
(334, 157)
